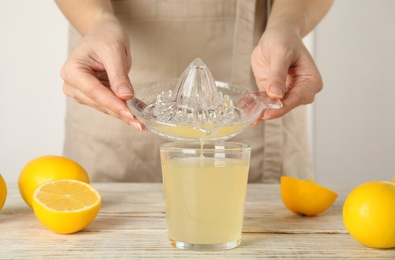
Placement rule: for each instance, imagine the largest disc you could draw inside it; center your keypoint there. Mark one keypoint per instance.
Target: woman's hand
(96, 73)
(284, 68)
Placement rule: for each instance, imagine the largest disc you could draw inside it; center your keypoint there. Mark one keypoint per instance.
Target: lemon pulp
(66, 206)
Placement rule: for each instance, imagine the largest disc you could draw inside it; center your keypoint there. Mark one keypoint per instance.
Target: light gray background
(33, 38)
(353, 119)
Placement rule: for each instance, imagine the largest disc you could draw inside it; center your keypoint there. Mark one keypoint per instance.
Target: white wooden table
(131, 224)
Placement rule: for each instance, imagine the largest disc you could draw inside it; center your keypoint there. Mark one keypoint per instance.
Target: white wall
(32, 51)
(354, 117)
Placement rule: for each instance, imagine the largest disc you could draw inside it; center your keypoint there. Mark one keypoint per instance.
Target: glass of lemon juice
(205, 189)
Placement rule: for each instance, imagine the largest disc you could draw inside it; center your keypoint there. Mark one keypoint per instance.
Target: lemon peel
(305, 197)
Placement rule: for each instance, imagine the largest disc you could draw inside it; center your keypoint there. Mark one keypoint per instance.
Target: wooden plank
(131, 224)
(134, 206)
(144, 244)
(125, 206)
(265, 212)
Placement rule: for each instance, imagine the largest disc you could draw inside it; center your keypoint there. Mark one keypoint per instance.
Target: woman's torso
(166, 35)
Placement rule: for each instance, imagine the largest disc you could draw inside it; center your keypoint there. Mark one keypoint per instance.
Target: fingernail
(136, 125)
(254, 123)
(127, 114)
(267, 115)
(125, 91)
(276, 91)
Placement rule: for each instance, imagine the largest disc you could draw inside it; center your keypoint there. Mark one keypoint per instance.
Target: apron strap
(243, 42)
(273, 152)
(273, 137)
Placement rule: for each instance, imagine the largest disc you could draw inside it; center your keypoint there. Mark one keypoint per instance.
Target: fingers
(96, 95)
(302, 93)
(93, 93)
(287, 72)
(278, 71)
(117, 68)
(96, 73)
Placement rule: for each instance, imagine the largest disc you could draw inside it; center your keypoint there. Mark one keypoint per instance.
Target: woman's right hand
(96, 73)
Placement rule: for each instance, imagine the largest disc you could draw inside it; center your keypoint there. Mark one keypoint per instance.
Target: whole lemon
(48, 168)
(3, 192)
(369, 214)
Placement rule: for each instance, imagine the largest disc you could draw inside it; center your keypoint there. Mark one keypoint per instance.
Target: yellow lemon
(369, 214)
(66, 206)
(305, 197)
(3, 192)
(48, 168)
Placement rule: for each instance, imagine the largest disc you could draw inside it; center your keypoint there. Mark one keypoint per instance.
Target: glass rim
(213, 146)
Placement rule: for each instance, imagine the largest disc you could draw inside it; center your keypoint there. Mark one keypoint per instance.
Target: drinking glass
(205, 189)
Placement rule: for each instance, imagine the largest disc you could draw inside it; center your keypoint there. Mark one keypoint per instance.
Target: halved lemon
(66, 206)
(305, 197)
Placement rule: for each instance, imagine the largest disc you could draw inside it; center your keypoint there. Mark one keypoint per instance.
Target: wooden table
(131, 225)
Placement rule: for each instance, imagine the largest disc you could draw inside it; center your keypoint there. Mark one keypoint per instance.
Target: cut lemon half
(66, 206)
(305, 197)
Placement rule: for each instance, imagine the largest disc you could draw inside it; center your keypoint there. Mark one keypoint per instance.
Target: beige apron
(166, 35)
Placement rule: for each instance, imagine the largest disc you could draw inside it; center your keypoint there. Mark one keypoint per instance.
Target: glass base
(205, 247)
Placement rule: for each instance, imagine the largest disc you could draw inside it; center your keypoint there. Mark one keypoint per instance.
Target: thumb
(117, 72)
(276, 79)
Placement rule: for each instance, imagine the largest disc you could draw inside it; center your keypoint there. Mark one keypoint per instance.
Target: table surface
(131, 224)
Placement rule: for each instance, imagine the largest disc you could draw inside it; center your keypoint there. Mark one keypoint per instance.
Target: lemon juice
(197, 131)
(205, 198)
